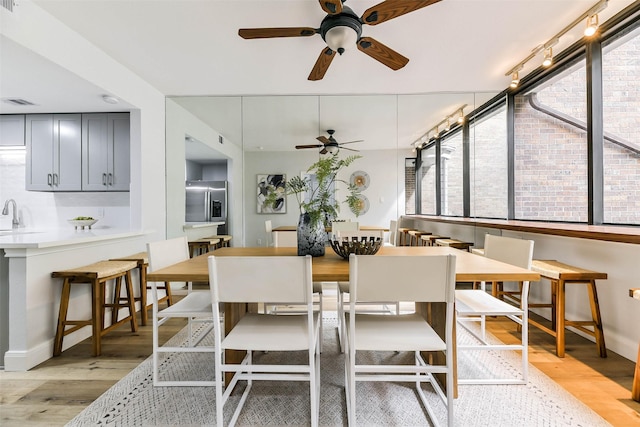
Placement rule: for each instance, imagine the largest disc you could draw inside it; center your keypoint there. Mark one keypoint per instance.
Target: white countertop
(190, 225)
(45, 238)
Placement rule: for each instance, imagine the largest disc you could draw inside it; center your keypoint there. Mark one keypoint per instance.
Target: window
(621, 93)
(410, 186)
(551, 151)
(427, 174)
(489, 166)
(451, 175)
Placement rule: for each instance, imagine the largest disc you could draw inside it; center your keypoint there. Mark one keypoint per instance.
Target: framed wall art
(271, 186)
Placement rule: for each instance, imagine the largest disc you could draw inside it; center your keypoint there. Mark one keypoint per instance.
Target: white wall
(385, 193)
(619, 313)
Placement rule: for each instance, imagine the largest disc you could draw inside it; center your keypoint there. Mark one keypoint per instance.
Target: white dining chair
(370, 277)
(393, 233)
(474, 305)
(268, 228)
(344, 226)
(343, 287)
(258, 280)
(195, 306)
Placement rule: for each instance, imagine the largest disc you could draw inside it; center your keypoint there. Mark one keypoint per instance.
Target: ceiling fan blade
(310, 146)
(322, 64)
(324, 151)
(350, 149)
(323, 139)
(382, 53)
(390, 9)
(351, 142)
(266, 33)
(332, 7)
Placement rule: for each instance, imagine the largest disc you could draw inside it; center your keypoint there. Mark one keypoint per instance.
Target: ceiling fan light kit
(342, 28)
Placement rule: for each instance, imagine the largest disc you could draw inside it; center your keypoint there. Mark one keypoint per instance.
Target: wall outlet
(259, 242)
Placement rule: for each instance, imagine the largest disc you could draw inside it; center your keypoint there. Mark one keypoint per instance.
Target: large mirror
(258, 135)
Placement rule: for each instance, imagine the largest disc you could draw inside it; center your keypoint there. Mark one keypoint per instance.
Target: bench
(203, 246)
(560, 274)
(96, 275)
(454, 243)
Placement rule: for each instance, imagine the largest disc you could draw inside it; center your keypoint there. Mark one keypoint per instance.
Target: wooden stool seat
(96, 275)
(142, 260)
(225, 239)
(429, 239)
(453, 243)
(560, 274)
(203, 246)
(415, 235)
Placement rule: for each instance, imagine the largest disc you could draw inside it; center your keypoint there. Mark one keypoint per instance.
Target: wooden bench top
(557, 270)
(98, 270)
(453, 243)
(205, 241)
(140, 258)
(419, 233)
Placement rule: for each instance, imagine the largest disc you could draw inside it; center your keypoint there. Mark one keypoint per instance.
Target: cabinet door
(39, 137)
(95, 152)
(67, 170)
(12, 130)
(119, 159)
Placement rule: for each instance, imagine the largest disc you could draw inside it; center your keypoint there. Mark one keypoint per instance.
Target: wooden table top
(332, 268)
(361, 227)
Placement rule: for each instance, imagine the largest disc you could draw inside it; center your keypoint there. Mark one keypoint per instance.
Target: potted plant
(320, 207)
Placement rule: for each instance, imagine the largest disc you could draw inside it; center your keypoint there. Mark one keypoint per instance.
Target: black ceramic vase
(312, 238)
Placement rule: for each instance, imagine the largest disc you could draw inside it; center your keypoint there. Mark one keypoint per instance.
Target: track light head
(548, 57)
(592, 25)
(515, 80)
(448, 125)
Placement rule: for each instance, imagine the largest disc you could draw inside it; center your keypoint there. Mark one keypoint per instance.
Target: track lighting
(592, 25)
(591, 15)
(434, 132)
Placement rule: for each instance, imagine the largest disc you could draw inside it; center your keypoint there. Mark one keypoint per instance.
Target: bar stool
(96, 275)
(560, 274)
(453, 243)
(427, 240)
(203, 246)
(225, 239)
(142, 260)
(415, 235)
(403, 236)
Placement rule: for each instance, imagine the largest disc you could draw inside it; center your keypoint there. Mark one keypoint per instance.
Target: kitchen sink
(14, 231)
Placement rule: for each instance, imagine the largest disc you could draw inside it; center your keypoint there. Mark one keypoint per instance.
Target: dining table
(331, 267)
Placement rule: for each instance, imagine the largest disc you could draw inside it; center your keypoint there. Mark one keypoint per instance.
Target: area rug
(134, 401)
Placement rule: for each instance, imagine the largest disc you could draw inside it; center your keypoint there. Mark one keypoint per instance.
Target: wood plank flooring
(54, 392)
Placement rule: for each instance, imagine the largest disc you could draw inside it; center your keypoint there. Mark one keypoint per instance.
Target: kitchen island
(30, 298)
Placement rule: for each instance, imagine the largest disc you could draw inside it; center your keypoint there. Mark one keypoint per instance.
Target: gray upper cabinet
(54, 145)
(105, 152)
(12, 130)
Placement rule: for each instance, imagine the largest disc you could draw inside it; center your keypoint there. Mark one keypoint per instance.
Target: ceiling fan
(329, 145)
(341, 28)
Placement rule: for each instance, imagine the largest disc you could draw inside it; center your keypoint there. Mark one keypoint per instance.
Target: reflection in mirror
(267, 129)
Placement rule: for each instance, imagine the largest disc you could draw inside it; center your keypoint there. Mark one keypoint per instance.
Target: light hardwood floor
(54, 392)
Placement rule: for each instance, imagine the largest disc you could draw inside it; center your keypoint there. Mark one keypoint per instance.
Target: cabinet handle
(56, 181)
(49, 179)
(110, 179)
(104, 179)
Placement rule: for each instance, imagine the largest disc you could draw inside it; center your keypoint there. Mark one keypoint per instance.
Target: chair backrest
(166, 252)
(286, 279)
(359, 235)
(285, 239)
(268, 228)
(426, 278)
(344, 226)
(393, 232)
(518, 252)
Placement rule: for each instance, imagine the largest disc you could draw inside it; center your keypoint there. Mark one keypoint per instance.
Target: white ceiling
(459, 52)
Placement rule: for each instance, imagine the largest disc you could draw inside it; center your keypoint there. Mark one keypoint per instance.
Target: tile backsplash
(52, 210)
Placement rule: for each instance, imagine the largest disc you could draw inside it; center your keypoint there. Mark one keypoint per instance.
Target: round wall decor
(363, 204)
(360, 179)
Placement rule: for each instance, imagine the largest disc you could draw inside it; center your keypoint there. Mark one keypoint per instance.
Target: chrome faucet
(15, 223)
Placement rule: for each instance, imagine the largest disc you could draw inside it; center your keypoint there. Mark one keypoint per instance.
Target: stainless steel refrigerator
(206, 201)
